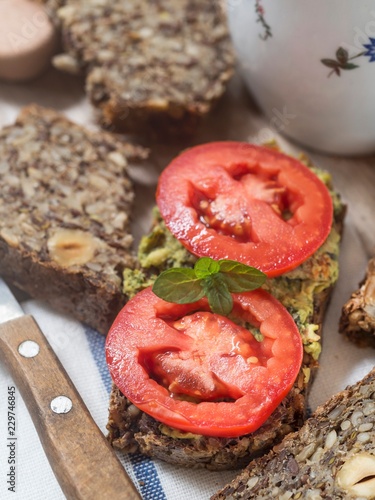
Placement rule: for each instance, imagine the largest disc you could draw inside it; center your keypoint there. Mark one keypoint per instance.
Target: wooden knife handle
(82, 460)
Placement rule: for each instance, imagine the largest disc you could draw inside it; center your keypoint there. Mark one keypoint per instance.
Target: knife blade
(82, 460)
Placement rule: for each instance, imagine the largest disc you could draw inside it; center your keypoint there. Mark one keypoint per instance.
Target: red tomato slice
(201, 372)
(232, 200)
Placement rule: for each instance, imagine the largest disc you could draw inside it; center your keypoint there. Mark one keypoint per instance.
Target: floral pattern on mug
(370, 52)
(259, 9)
(342, 61)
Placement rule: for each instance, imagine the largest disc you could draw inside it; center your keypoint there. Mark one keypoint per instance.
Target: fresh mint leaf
(240, 277)
(214, 279)
(206, 267)
(218, 295)
(178, 285)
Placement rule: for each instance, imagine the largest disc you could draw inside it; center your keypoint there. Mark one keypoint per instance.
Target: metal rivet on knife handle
(28, 349)
(61, 404)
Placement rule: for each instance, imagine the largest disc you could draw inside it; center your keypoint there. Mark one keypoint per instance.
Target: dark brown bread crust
(150, 66)
(133, 430)
(315, 462)
(80, 293)
(65, 190)
(357, 321)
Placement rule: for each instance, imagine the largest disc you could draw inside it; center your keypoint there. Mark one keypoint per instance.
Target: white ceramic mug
(310, 64)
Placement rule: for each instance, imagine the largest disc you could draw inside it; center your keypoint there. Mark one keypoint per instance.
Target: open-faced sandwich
(216, 372)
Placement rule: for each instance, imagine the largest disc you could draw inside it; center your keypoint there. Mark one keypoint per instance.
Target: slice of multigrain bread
(331, 457)
(65, 204)
(357, 321)
(156, 66)
(305, 292)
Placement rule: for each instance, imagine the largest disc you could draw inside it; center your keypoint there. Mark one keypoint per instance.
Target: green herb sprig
(215, 279)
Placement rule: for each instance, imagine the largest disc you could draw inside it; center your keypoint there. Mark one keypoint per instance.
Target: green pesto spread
(157, 251)
(160, 250)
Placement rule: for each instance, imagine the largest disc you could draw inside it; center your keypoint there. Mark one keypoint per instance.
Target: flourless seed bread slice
(357, 321)
(65, 207)
(331, 457)
(156, 66)
(131, 430)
